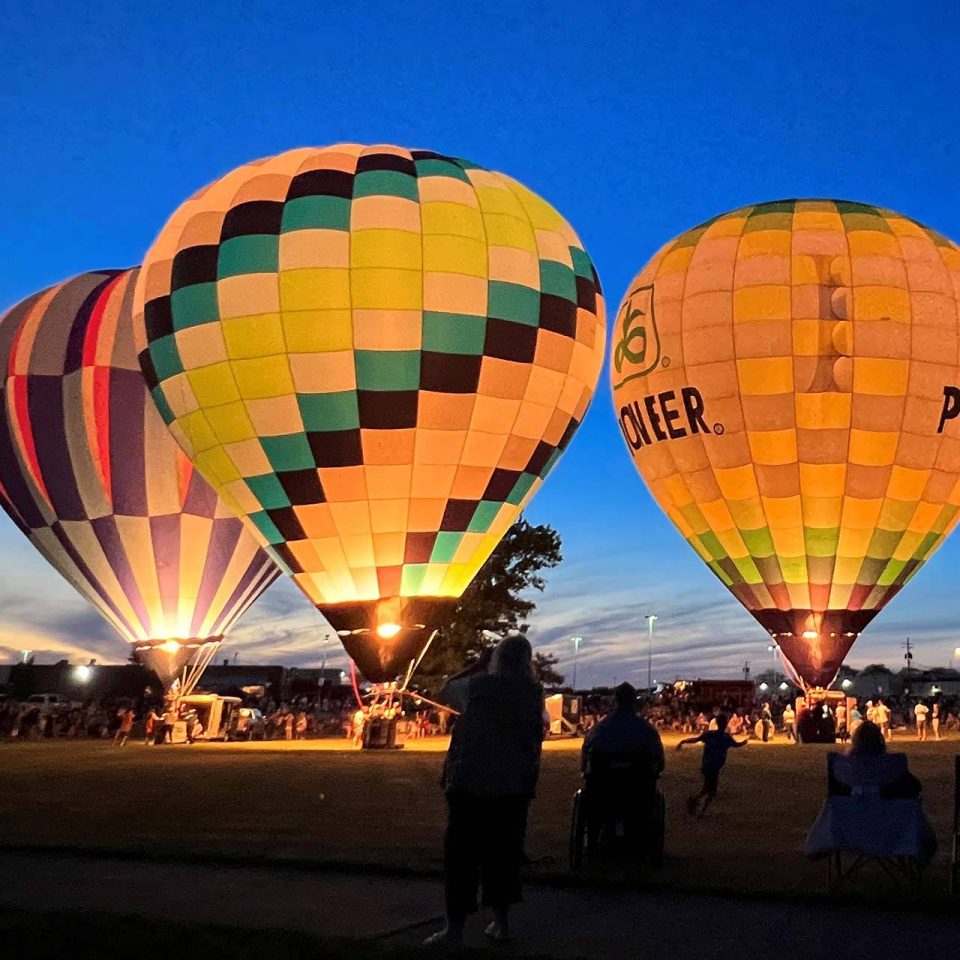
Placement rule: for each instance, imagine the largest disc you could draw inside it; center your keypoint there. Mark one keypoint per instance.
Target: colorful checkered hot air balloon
(90, 474)
(376, 355)
(786, 378)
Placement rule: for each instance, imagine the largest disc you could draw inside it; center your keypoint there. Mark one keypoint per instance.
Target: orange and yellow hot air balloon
(786, 378)
(376, 355)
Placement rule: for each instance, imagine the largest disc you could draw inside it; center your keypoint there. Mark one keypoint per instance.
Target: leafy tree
(497, 603)
(545, 667)
(877, 668)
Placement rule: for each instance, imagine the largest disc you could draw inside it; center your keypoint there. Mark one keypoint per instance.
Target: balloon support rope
(355, 685)
(416, 663)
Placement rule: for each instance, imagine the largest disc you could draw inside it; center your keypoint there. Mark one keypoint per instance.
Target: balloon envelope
(376, 355)
(783, 377)
(90, 474)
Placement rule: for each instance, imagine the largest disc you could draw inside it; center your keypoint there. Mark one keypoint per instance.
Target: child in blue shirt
(716, 743)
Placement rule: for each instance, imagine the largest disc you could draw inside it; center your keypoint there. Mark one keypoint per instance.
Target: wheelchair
(619, 812)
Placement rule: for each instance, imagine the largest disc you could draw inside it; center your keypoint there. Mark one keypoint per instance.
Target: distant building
(79, 682)
(239, 679)
(871, 685)
(273, 682)
(932, 683)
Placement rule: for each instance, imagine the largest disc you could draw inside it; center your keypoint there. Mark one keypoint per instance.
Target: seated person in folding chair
(865, 768)
(872, 809)
(622, 738)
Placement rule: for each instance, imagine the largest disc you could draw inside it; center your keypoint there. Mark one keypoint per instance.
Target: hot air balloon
(90, 474)
(375, 355)
(786, 380)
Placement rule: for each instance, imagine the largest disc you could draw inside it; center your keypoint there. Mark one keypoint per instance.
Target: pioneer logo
(664, 416)
(637, 352)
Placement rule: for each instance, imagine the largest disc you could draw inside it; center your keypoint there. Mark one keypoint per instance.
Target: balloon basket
(380, 733)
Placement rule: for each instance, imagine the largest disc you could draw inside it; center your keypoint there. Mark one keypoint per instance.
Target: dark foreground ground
(294, 851)
(109, 908)
(315, 805)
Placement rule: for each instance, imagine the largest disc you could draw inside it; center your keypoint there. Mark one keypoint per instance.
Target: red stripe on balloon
(101, 387)
(21, 417)
(184, 475)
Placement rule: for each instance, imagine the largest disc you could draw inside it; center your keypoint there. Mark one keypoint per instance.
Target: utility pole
(651, 620)
(908, 657)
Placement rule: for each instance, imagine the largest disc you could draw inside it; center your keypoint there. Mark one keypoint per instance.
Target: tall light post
(323, 651)
(576, 649)
(651, 620)
(772, 649)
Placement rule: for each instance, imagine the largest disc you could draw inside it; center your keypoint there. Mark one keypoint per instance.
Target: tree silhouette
(496, 604)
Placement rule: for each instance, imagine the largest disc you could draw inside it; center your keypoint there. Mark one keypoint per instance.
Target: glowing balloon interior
(90, 474)
(376, 355)
(785, 377)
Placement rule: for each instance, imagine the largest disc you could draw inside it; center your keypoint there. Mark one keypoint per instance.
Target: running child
(716, 743)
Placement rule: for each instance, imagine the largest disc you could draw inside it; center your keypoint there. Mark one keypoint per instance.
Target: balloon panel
(780, 375)
(375, 354)
(90, 474)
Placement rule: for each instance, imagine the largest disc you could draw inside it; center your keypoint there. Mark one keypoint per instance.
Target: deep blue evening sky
(636, 121)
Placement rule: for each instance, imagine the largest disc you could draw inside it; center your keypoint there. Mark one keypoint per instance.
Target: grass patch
(386, 809)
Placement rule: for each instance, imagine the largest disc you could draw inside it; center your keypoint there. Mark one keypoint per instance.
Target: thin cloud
(701, 631)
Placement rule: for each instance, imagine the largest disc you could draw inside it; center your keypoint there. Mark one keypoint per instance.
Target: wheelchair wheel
(578, 832)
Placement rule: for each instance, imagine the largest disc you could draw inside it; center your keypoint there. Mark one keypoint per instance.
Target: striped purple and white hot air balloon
(90, 473)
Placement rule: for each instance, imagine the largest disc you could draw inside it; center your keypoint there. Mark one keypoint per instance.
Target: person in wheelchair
(624, 732)
(622, 759)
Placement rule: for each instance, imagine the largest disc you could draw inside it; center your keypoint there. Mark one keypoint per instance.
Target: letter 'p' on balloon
(786, 379)
(376, 355)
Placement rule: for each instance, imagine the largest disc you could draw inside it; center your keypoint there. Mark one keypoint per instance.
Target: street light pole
(651, 619)
(323, 651)
(576, 649)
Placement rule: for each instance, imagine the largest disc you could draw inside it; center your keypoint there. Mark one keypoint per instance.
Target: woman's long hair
(513, 657)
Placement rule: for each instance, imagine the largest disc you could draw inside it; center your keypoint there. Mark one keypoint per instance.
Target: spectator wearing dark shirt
(489, 777)
(624, 732)
(716, 744)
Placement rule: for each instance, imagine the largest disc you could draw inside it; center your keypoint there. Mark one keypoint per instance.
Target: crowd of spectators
(300, 718)
(98, 719)
(310, 717)
(682, 712)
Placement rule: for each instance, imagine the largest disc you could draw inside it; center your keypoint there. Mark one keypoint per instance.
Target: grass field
(311, 802)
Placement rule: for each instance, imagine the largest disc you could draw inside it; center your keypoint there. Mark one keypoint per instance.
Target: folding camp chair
(858, 826)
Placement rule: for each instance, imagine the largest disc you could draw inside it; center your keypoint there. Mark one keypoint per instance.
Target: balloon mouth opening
(167, 658)
(814, 642)
(384, 636)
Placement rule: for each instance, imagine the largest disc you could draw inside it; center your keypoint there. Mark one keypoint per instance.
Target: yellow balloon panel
(785, 377)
